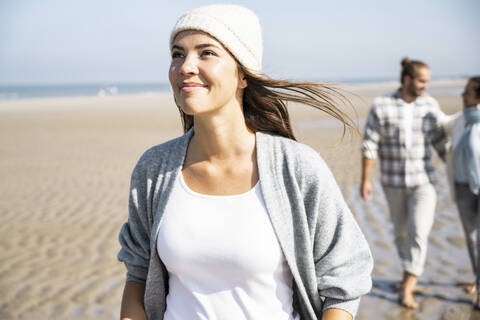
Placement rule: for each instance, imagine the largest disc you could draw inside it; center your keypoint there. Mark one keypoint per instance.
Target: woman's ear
(242, 82)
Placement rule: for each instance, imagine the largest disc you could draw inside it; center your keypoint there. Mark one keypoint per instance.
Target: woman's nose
(190, 65)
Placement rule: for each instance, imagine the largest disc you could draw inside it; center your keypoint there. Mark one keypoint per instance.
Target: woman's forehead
(196, 35)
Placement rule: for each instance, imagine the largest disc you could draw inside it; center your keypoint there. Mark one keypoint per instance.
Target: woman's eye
(208, 53)
(176, 55)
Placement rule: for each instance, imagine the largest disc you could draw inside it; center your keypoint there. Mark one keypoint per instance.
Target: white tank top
(223, 258)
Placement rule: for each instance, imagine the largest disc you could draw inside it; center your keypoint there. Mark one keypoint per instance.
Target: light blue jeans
(468, 205)
(412, 211)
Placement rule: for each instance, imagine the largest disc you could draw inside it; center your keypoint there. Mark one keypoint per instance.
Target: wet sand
(65, 166)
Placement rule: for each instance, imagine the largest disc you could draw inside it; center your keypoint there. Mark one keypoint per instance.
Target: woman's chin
(190, 110)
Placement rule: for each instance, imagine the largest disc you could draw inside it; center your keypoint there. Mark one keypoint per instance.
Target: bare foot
(470, 289)
(476, 305)
(407, 299)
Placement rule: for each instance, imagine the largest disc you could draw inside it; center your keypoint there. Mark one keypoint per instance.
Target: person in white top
(236, 220)
(463, 164)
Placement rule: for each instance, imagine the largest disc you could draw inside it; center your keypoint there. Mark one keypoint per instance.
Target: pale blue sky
(67, 41)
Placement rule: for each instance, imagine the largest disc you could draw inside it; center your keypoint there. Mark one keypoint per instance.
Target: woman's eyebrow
(205, 45)
(199, 46)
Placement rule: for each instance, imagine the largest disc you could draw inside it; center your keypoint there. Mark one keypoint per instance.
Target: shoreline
(437, 85)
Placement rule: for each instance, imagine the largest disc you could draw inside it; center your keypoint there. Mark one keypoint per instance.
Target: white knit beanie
(236, 27)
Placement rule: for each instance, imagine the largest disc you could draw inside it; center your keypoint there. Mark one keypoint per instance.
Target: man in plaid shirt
(400, 129)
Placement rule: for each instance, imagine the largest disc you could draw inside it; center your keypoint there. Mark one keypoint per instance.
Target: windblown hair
(410, 68)
(476, 80)
(265, 104)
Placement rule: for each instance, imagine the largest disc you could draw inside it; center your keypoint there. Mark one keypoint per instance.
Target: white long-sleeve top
(454, 126)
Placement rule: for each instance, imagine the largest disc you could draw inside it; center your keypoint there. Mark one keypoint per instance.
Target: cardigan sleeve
(343, 261)
(134, 235)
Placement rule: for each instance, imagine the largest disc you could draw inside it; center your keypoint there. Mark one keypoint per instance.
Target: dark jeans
(468, 205)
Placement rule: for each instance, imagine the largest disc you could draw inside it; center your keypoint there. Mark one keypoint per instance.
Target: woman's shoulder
(299, 164)
(287, 145)
(156, 155)
(302, 157)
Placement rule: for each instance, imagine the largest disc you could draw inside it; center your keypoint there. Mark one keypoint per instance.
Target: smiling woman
(204, 76)
(235, 219)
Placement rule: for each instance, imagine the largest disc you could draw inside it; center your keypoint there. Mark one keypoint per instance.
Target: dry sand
(65, 166)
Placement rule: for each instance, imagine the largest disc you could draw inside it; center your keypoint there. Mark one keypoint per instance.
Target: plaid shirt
(385, 137)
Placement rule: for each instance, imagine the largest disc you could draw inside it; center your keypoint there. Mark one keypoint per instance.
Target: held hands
(366, 190)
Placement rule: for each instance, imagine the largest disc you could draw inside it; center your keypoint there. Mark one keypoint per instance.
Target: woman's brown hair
(476, 80)
(410, 68)
(265, 108)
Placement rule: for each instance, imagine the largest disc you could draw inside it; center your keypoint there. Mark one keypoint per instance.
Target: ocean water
(9, 92)
(12, 92)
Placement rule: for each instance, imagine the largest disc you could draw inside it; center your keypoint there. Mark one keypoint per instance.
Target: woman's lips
(189, 87)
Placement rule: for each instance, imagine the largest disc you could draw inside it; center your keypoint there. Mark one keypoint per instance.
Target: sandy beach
(65, 166)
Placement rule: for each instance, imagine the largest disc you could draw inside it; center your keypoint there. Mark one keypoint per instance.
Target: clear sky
(83, 41)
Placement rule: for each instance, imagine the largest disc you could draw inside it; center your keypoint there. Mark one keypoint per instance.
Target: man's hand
(366, 190)
(366, 186)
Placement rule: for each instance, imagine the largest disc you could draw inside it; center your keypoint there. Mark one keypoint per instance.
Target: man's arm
(366, 185)
(440, 141)
(439, 136)
(370, 147)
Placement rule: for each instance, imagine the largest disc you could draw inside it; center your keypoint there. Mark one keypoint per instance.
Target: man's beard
(412, 91)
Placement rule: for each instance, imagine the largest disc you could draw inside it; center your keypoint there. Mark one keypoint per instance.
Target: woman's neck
(219, 137)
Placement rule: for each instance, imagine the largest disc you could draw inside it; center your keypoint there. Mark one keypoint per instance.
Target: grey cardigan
(327, 253)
